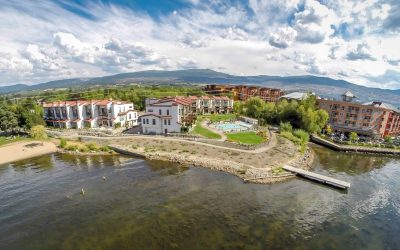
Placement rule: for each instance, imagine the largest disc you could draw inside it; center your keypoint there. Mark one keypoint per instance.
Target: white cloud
(41, 41)
(313, 24)
(361, 52)
(283, 38)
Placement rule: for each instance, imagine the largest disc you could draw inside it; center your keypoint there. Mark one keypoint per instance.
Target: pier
(318, 177)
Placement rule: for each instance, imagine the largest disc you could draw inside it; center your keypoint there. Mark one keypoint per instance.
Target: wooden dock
(318, 177)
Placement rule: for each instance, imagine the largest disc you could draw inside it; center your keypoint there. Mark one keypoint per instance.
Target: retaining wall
(347, 148)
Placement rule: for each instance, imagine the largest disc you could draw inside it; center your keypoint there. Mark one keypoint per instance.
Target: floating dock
(318, 177)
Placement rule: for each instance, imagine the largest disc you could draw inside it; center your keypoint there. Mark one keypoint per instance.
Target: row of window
(154, 122)
(147, 121)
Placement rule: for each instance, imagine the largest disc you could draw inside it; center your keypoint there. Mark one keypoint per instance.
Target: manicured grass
(200, 130)
(245, 138)
(7, 140)
(218, 117)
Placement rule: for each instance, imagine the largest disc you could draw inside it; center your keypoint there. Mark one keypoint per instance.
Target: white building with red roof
(166, 115)
(90, 114)
(171, 114)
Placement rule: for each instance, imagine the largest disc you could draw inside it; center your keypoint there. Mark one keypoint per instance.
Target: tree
(38, 132)
(353, 137)
(8, 119)
(254, 107)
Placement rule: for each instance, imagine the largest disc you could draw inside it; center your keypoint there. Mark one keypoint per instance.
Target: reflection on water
(350, 163)
(160, 205)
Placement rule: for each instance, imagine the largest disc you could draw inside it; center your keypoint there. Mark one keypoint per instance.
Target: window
(165, 122)
(159, 112)
(130, 116)
(167, 111)
(150, 110)
(154, 121)
(169, 122)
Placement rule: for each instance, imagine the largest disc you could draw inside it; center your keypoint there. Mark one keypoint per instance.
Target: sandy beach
(24, 150)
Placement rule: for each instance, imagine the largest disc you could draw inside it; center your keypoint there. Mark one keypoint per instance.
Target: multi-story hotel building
(373, 119)
(210, 104)
(170, 114)
(244, 92)
(90, 114)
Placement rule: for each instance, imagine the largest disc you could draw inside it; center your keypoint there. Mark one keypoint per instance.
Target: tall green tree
(8, 119)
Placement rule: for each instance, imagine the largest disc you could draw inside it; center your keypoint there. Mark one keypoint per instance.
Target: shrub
(104, 148)
(72, 147)
(291, 137)
(353, 137)
(92, 146)
(63, 143)
(83, 149)
(38, 132)
(301, 134)
(286, 127)
(388, 140)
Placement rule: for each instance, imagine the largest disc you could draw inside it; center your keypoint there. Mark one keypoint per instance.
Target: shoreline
(353, 148)
(17, 151)
(264, 167)
(24, 150)
(248, 173)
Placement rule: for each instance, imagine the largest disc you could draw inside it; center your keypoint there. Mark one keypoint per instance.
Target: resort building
(244, 92)
(90, 114)
(372, 119)
(298, 96)
(209, 104)
(167, 115)
(172, 114)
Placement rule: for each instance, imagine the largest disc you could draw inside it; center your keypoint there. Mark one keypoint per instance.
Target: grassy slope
(200, 130)
(245, 137)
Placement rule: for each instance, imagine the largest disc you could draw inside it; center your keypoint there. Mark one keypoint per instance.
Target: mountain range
(322, 86)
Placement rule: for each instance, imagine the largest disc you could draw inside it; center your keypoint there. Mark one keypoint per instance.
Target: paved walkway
(271, 144)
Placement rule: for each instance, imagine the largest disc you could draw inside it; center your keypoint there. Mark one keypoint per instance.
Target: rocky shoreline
(246, 172)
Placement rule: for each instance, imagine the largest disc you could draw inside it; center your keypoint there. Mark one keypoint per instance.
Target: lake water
(160, 205)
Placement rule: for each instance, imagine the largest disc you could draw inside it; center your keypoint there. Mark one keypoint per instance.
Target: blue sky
(343, 39)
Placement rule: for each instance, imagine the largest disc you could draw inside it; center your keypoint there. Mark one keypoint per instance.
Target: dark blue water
(160, 205)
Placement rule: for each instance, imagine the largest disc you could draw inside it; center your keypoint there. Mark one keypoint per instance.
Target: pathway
(223, 136)
(271, 144)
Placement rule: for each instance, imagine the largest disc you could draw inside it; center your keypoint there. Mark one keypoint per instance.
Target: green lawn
(200, 130)
(217, 117)
(245, 138)
(7, 140)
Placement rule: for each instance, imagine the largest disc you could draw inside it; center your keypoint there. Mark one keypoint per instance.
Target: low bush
(71, 147)
(105, 149)
(38, 132)
(83, 149)
(291, 137)
(286, 127)
(63, 143)
(92, 146)
(301, 134)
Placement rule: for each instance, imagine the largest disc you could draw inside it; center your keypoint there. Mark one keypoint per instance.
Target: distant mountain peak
(323, 86)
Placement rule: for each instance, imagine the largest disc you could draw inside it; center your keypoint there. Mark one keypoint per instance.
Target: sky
(354, 40)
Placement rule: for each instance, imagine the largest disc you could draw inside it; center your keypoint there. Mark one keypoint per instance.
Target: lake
(161, 205)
